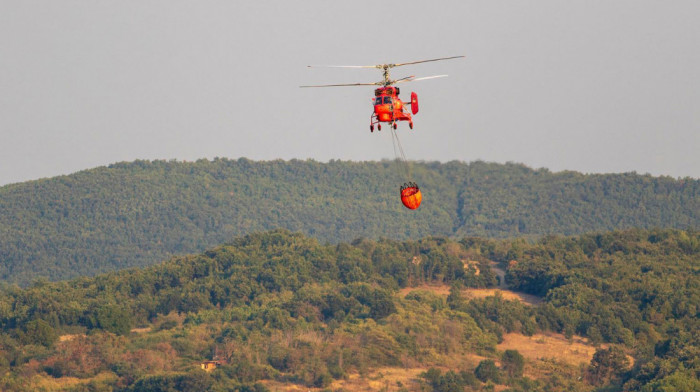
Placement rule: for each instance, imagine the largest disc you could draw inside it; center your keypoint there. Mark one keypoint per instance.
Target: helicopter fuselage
(389, 108)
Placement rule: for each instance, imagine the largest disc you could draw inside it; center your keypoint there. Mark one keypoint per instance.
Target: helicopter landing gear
(371, 128)
(394, 125)
(410, 124)
(379, 127)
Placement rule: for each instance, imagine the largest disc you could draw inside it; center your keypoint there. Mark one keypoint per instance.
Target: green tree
(607, 365)
(39, 332)
(455, 300)
(487, 370)
(512, 363)
(114, 318)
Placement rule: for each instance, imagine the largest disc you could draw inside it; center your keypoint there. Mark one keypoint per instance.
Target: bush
(512, 363)
(114, 319)
(487, 370)
(39, 332)
(607, 365)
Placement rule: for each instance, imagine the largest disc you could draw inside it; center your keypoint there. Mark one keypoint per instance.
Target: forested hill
(280, 307)
(135, 214)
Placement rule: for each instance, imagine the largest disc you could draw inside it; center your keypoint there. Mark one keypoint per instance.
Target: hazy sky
(591, 86)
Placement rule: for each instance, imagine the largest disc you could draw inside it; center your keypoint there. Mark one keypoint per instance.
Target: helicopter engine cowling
(414, 103)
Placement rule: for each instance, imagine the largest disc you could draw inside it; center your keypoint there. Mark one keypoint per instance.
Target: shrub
(487, 370)
(512, 363)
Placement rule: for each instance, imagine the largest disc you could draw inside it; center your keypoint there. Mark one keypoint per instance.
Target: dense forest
(139, 213)
(280, 308)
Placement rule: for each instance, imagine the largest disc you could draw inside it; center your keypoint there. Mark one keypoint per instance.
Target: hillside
(136, 214)
(618, 311)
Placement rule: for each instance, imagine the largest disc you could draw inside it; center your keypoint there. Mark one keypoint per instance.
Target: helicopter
(388, 107)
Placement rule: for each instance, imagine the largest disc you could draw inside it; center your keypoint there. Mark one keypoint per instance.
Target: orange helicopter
(388, 107)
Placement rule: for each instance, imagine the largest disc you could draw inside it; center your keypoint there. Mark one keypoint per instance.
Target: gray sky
(591, 86)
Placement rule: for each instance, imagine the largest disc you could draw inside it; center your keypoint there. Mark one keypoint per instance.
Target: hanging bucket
(411, 196)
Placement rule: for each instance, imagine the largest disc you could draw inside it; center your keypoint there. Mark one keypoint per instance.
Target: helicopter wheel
(395, 126)
(410, 125)
(371, 128)
(379, 127)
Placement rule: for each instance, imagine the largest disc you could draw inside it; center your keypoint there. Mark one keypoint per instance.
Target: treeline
(283, 307)
(238, 274)
(637, 288)
(136, 214)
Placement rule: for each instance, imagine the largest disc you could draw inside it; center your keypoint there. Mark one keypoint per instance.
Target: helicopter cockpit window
(378, 101)
(387, 99)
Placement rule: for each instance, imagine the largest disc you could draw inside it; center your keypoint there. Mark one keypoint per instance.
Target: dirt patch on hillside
(527, 299)
(44, 382)
(387, 378)
(382, 379)
(441, 289)
(547, 347)
(68, 338)
(444, 290)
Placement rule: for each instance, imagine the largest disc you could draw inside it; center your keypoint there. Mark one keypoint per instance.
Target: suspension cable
(401, 160)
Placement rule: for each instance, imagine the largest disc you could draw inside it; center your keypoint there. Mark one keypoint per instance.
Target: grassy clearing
(69, 337)
(43, 382)
(444, 290)
(441, 289)
(527, 299)
(540, 347)
(388, 378)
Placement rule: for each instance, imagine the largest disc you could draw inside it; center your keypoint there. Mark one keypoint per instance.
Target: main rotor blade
(345, 85)
(381, 66)
(406, 79)
(341, 66)
(426, 61)
(412, 79)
